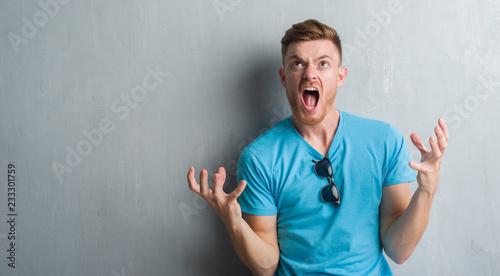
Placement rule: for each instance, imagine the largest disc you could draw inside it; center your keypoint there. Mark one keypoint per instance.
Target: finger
(193, 186)
(418, 142)
(441, 140)
(222, 174)
(444, 127)
(435, 148)
(218, 184)
(237, 192)
(204, 182)
(415, 166)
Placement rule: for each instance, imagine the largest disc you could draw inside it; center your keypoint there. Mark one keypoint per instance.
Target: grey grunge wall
(106, 104)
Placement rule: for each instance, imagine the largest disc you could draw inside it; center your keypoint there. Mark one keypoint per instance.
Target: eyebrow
(294, 56)
(324, 56)
(319, 58)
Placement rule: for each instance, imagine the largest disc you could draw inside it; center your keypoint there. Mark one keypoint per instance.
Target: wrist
(234, 225)
(426, 192)
(428, 183)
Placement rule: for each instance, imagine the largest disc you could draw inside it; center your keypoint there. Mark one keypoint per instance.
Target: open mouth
(310, 97)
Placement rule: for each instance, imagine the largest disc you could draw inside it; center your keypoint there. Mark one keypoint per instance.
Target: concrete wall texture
(105, 105)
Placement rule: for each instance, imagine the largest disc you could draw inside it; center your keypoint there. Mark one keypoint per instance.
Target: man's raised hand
(226, 205)
(430, 162)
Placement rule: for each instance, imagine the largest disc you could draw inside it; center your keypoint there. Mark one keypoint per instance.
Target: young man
(326, 191)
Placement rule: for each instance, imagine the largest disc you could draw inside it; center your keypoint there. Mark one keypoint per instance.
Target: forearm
(403, 235)
(258, 255)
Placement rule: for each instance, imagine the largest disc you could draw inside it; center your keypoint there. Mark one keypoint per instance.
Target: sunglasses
(329, 193)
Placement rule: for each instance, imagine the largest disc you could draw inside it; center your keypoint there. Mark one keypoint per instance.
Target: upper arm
(264, 227)
(395, 200)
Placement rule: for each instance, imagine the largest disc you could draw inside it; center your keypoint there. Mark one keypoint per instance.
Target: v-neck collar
(335, 143)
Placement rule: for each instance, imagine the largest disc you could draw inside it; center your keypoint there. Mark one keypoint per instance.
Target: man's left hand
(430, 162)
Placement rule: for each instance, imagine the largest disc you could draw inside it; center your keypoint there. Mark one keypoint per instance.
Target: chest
(358, 174)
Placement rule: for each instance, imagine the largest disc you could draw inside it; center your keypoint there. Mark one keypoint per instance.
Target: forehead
(312, 49)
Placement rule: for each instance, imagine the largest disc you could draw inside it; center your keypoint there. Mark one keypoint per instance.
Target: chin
(303, 117)
(309, 120)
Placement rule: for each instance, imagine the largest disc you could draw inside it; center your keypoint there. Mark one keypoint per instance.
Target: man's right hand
(255, 241)
(226, 205)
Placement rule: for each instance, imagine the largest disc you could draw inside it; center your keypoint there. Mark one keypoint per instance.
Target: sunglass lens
(330, 194)
(323, 168)
(326, 194)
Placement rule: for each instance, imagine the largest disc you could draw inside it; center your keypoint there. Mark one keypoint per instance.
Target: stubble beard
(296, 106)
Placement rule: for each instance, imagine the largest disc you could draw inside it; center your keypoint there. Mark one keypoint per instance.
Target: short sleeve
(257, 198)
(398, 157)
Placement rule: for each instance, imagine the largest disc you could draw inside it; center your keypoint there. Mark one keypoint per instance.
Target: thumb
(415, 166)
(238, 191)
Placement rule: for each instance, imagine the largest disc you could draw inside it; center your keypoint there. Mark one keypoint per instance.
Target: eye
(323, 64)
(297, 63)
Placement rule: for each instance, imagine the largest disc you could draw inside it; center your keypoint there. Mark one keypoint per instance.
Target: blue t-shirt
(318, 238)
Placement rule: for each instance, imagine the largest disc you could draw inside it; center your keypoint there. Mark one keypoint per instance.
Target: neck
(319, 136)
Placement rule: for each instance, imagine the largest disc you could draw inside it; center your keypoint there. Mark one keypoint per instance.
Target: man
(326, 191)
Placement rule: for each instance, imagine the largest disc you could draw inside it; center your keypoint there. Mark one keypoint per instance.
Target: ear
(282, 76)
(342, 75)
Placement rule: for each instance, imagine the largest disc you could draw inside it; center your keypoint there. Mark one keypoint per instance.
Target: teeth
(310, 89)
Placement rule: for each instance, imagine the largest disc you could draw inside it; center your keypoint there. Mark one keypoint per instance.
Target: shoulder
(366, 127)
(271, 140)
(270, 148)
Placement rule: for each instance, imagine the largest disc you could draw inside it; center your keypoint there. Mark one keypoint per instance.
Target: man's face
(311, 75)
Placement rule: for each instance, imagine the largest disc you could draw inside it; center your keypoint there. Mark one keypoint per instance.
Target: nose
(310, 73)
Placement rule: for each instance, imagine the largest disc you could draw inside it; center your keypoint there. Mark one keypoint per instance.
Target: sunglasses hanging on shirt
(329, 193)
